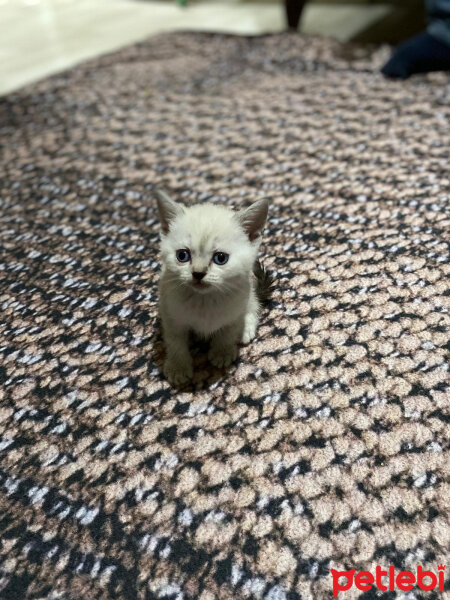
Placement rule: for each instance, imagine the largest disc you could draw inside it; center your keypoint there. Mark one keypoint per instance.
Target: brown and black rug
(326, 445)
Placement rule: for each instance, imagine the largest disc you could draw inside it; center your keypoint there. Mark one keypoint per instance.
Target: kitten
(211, 282)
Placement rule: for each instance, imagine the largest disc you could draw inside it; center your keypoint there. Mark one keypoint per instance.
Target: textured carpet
(326, 445)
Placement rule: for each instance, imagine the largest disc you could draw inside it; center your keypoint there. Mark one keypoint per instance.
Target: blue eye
(220, 258)
(183, 255)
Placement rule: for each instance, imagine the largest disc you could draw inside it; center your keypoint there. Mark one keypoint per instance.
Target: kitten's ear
(168, 209)
(253, 218)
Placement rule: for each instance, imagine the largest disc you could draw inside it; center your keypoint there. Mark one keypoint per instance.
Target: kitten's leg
(251, 319)
(224, 345)
(178, 363)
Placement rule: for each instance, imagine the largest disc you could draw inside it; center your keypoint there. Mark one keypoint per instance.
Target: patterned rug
(326, 445)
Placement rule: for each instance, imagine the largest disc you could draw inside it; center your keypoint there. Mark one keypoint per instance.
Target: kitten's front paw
(223, 356)
(178, 373)
(249, 331)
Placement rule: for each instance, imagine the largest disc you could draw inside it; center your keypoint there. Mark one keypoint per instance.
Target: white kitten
(208, 283)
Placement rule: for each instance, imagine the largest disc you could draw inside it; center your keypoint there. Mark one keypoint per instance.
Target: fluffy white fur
(224, 307)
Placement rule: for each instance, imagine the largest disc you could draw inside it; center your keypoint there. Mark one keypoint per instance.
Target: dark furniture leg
(294, 10)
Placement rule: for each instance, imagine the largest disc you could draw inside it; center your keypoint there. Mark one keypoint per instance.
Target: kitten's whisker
(175, 282)
(227, 288)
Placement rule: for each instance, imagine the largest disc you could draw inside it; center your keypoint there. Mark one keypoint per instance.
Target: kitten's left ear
(168, 209)
(253, 218)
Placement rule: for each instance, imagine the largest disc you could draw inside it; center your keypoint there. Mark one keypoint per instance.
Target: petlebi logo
(388, 580)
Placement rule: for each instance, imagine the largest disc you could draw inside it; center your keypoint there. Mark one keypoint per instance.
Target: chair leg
(294, 9)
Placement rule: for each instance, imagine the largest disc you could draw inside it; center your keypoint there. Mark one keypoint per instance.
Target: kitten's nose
(198, 275)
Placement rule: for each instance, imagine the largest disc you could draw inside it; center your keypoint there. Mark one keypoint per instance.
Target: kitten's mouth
(200, 285)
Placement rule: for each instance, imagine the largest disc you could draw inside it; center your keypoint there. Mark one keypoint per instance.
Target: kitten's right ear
(168, 209)
(253, 218)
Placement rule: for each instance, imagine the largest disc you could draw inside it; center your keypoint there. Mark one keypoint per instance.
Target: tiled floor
(41, 37)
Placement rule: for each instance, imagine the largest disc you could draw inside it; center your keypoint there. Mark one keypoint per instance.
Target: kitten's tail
(264, 283)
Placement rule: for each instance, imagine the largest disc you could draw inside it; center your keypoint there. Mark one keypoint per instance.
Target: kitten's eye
(183, 255)
(220, 258)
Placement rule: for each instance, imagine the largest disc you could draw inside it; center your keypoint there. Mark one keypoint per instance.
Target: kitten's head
(209, 248)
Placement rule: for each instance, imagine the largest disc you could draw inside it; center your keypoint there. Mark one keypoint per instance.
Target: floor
(326, 444)
(41, 37)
